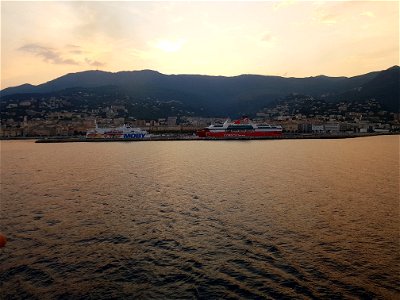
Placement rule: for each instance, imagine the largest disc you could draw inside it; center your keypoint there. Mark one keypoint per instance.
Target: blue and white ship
(123, 132)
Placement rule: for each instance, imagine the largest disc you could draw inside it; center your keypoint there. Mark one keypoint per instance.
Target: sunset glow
(44, 40)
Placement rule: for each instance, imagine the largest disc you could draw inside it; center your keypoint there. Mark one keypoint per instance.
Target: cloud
(105, 19)
(72, 46)
(74, 49)
(328, 19)
(94, 63)
(331, 12)
(369, 14)
(283, 4)
(48, 54)
(267, 37)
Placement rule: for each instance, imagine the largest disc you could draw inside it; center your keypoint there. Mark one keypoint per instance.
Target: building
(332, 127)
(317, 128)
(171, 121)
(305, 127)
(290, 126)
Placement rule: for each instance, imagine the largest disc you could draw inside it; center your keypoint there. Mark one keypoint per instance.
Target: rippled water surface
(201, 219)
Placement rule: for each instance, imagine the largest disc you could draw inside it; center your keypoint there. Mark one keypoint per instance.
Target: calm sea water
(201, 219)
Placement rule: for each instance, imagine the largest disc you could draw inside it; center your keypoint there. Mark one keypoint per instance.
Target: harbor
(200, 150)
(243, 129)
(183, 137)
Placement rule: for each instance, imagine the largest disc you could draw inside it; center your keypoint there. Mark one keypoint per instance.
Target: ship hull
(116, 136)
(247, 134)
(123, 132)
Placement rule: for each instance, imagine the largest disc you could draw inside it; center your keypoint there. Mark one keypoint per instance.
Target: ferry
(243, 128)
(123, 132)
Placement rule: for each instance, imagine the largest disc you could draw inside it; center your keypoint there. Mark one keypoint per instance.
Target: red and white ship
(243, 128)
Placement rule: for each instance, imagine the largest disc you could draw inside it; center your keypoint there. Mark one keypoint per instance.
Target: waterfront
(185, 137)
(226, 219)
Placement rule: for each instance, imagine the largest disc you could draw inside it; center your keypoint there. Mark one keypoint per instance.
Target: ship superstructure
(123, 132)
(240, 128)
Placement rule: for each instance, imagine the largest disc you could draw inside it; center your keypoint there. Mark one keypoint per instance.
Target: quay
(195, 138)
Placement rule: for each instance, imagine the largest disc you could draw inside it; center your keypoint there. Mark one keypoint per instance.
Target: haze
(44, 40)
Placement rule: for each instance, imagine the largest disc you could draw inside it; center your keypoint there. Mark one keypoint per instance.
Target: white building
(317, 128)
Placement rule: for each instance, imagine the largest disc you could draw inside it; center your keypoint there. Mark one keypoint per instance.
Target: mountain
(21, 89)
(220, 94)
(384, 87)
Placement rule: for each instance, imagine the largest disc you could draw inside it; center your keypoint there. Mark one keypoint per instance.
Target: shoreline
(49, 140)
(196, 138)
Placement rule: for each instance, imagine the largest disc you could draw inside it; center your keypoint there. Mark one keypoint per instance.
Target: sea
(265, 219)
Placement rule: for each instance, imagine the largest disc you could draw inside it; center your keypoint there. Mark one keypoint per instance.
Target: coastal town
(200, 149)
(59, 117)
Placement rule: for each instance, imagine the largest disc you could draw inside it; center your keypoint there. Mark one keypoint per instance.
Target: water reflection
(240, 219)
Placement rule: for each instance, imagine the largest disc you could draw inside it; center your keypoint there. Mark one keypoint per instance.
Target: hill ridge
(225, 93)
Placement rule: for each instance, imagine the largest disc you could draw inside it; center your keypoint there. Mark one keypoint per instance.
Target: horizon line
(188, 74)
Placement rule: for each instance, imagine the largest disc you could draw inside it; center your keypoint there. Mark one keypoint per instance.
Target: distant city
(296, 114)
(158, 103)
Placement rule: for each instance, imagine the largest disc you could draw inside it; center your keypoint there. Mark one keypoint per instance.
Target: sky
(43, 40)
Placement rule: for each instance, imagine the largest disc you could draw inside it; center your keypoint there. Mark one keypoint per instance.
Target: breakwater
(196, 138)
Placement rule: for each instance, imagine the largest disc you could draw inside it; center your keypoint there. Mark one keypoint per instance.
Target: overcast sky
(44, 40)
